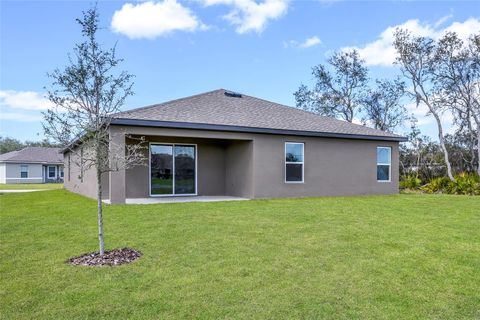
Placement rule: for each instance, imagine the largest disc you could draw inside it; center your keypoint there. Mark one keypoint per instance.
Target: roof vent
(232, 94)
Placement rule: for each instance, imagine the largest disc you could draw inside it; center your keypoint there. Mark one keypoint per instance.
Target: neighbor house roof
(227, 111)
(34, 155)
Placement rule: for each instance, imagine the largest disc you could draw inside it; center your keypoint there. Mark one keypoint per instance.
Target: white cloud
(381, 51)
(248, 15)
(153, 19)
(309, 42)
(28, 100)
(442, 20)
(17, 116)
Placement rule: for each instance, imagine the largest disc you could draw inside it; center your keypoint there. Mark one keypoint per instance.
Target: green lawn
(18, 186)
(376, 257)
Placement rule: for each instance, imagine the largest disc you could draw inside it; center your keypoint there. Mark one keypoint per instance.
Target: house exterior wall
(73, 177)
(3, 173)
(332, 167)
(12, 173)
(37, 173)
(239, 177)
(254, 164)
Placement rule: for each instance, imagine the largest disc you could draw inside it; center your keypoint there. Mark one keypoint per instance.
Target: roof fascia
(216, 127)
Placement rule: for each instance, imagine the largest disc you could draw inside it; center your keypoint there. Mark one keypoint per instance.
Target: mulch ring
(110, 258)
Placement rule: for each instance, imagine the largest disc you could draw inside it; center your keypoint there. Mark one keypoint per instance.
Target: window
(23, 171)
(61, 172)
(294, 162)
(52, 173)
(384, 160)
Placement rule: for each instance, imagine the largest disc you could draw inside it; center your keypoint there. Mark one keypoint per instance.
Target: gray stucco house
(31, 165)
(225, 143)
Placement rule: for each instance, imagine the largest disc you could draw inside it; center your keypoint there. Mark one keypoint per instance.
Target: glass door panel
(172, 169)
(184, 169)
(161, 169)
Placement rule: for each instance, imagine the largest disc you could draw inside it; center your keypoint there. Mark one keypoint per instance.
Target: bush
(464, 184)
(437, 185)
(468, 184)
(410, 182)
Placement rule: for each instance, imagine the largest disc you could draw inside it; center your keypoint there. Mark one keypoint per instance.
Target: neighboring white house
(31, 165)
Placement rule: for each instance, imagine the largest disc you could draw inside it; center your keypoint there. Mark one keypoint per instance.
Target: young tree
(337, 92)
(416, 57)
(382, 105)
(86, 94)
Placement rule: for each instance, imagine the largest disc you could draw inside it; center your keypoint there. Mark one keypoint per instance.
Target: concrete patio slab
(154, 200)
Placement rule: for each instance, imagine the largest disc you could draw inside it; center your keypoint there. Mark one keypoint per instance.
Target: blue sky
(178, 48)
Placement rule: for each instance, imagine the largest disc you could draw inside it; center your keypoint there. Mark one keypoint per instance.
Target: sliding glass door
(161, 169)
(184, 169)
(172, 169)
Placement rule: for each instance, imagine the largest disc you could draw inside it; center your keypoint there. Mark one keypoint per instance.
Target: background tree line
(442, 75)
(10, 144)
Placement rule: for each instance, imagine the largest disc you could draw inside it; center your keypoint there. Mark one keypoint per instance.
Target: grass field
(21, 186)
(375, 257)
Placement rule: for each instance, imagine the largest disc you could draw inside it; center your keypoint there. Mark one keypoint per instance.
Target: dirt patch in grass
(110, 258)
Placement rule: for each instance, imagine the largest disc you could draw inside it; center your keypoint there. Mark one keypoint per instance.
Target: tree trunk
(100, 213)
(442, 145)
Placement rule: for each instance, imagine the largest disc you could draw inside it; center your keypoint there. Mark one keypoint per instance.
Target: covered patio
(181, 167)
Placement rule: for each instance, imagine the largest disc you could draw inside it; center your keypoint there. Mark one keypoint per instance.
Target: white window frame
(384, 164)
(288, 162)
(173, 194)
(48, 172)
(21, 171)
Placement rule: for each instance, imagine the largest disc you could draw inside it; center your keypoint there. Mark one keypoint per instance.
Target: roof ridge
(169, 101)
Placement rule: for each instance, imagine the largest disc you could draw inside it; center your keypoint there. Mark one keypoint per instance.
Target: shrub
(436, 185)
(410, 182)
(468, 184)
(464, 184)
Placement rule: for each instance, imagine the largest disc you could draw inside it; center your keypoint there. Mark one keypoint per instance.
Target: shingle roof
(34, 155)
(216, 108)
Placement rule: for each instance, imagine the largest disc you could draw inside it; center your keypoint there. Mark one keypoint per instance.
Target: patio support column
(117, 178)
